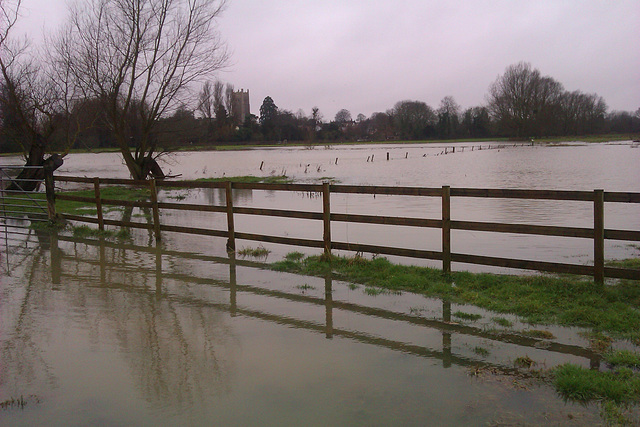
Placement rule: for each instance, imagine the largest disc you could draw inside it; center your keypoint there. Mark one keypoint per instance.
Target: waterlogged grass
(502, 322)
(467, 316)
(580, 384)
(111, 192)
(259, 252)
(631, 263)
(626, 358)
(84, 231)
(570, 301)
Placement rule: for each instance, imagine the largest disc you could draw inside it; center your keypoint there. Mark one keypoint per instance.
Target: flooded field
(95, 332)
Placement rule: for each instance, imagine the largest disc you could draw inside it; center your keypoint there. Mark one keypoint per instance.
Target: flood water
(98, 333)
(94, 332)
(586, 167)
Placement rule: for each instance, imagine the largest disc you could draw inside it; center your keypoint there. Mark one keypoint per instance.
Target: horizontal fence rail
(597, 197)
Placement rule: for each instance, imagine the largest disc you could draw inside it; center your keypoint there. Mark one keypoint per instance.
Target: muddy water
(612, 167)
(97, 333)
(132, 334)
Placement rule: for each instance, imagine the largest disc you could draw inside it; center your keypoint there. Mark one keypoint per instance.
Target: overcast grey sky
(365, 55)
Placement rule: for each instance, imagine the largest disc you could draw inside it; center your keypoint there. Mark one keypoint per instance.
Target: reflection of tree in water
(177, 347)
(217, 197)
(23, 367)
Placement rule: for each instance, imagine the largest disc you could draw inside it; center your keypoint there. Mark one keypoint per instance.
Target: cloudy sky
(365, 55)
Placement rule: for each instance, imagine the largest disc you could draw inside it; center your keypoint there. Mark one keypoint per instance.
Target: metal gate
(20, 214)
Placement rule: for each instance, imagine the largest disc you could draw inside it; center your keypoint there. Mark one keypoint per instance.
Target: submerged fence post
(446, 229)
(598, 236)
(231, 241)
(326, 219)
(154, 207)
(96, 189)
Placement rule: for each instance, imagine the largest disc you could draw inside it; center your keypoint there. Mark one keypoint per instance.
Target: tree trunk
(32, 174)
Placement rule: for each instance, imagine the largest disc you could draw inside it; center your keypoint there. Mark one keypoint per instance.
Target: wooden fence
(598, 233)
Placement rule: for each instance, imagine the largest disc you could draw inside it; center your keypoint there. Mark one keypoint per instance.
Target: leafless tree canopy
(140, 58)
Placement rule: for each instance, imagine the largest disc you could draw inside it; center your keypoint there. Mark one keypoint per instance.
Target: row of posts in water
(444, 152)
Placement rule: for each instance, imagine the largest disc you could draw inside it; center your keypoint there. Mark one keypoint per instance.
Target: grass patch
(84, 231)
(371, 291)
(304, 287)
(598, 341)
(583, 385)
(502, 322)
(73, 207)
(294, 256)
(631, 263)
(259, 252)
(540, 299)
(467, 316)
(626, 358)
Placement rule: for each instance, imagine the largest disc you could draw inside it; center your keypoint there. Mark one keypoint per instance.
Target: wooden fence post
(446, 229)
(50, 190)
(326, 219)
(154, 206)
(231, 241)
(598, 236)
(96, 189)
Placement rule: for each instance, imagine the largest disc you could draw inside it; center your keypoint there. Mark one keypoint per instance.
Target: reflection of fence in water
(444, 326)
(597, 233)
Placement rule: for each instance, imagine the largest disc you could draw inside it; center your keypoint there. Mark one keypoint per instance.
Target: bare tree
(228, 100)
(343, 116)
(448, 117)
(35, 102)
(140, 58)
(205, 101)
(523, 102)
(218, 100)
(413, 119)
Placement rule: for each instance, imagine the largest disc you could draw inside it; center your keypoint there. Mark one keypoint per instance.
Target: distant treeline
(521, 103)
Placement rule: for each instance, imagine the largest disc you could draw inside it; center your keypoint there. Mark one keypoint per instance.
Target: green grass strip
(583, 385)
(543, 299)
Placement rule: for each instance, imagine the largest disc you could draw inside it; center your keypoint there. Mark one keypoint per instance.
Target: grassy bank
(543, 299)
